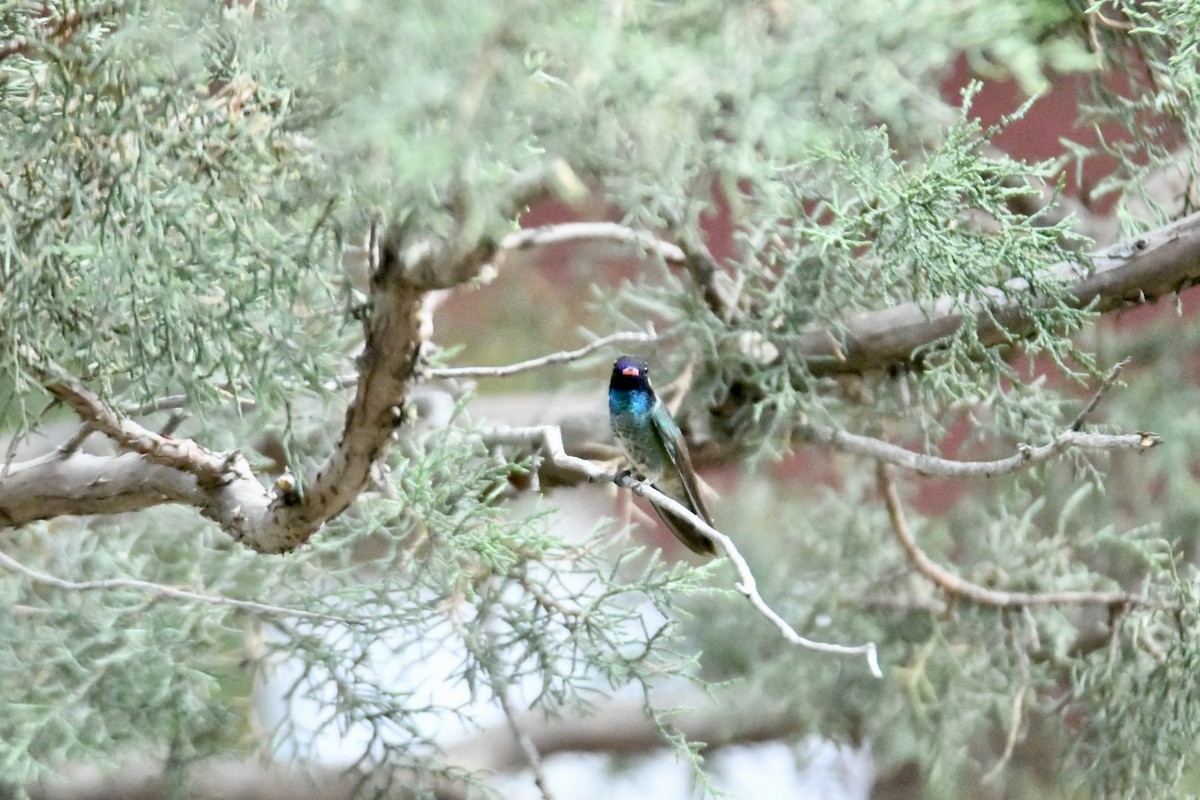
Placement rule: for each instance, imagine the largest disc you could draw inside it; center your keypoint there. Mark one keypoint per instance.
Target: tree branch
(533, 756)
(222, 485)
(529, 238)
(181, 454)
(935, 466)
(547, 439)
(53, 486)
(561, 357)
(1161, 262)
(962, 589)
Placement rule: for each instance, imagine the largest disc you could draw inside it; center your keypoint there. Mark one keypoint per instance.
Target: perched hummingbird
(655, 446)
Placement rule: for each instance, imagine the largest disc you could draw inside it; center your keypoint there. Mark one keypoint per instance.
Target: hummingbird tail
(692, 539)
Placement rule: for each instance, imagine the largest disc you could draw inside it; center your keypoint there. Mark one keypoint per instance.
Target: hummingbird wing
(679, 480)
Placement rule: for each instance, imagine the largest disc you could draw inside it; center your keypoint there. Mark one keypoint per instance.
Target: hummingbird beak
(632, 372)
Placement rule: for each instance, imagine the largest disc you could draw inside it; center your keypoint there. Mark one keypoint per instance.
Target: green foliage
(441, 571)
(181, 181)
(1149, 125)
(157, 185)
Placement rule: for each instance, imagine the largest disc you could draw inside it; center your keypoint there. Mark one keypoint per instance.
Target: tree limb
(1161, 262)
(935, 466)
(547, 439)
(53, 486)
(182, 454)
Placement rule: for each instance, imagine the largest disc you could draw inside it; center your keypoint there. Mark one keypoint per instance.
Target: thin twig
(10, 454)
(561, 357)
(1099, 395)
(527, 746)
(1016, 709)
(176, 402)
(11, 564)
(592, 231)
(544, 600)
(70, 446)
(935, 466)
(172, 424)
(959, 588)
(548, 440)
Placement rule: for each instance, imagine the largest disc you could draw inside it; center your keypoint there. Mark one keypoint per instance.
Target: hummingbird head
(630, 374)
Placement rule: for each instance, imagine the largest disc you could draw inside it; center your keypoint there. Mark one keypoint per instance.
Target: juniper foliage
(181, 183)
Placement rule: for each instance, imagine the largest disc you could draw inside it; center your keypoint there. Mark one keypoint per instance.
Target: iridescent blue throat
(629, 401)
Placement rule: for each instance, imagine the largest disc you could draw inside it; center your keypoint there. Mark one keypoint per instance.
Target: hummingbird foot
(626, 474)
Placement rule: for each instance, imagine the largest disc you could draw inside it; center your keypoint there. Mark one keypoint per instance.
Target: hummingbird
(655, 447)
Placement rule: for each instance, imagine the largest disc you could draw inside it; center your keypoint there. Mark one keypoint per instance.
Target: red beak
(632, 372)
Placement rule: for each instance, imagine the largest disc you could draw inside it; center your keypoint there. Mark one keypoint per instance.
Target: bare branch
(561, 357)
(177, 402)
(76, 441)
(718, 288)
(529, 238)
(973, 592)
(532, 756)
(548, 440)
(1016, 708)
(1108, 383)
(53, 486)
(181, 454)
(160, 590)
(935, 466)
(720, 292)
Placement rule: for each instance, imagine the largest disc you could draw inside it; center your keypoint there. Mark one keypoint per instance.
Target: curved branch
(528, 238)
(222, 485)
(963, 589)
